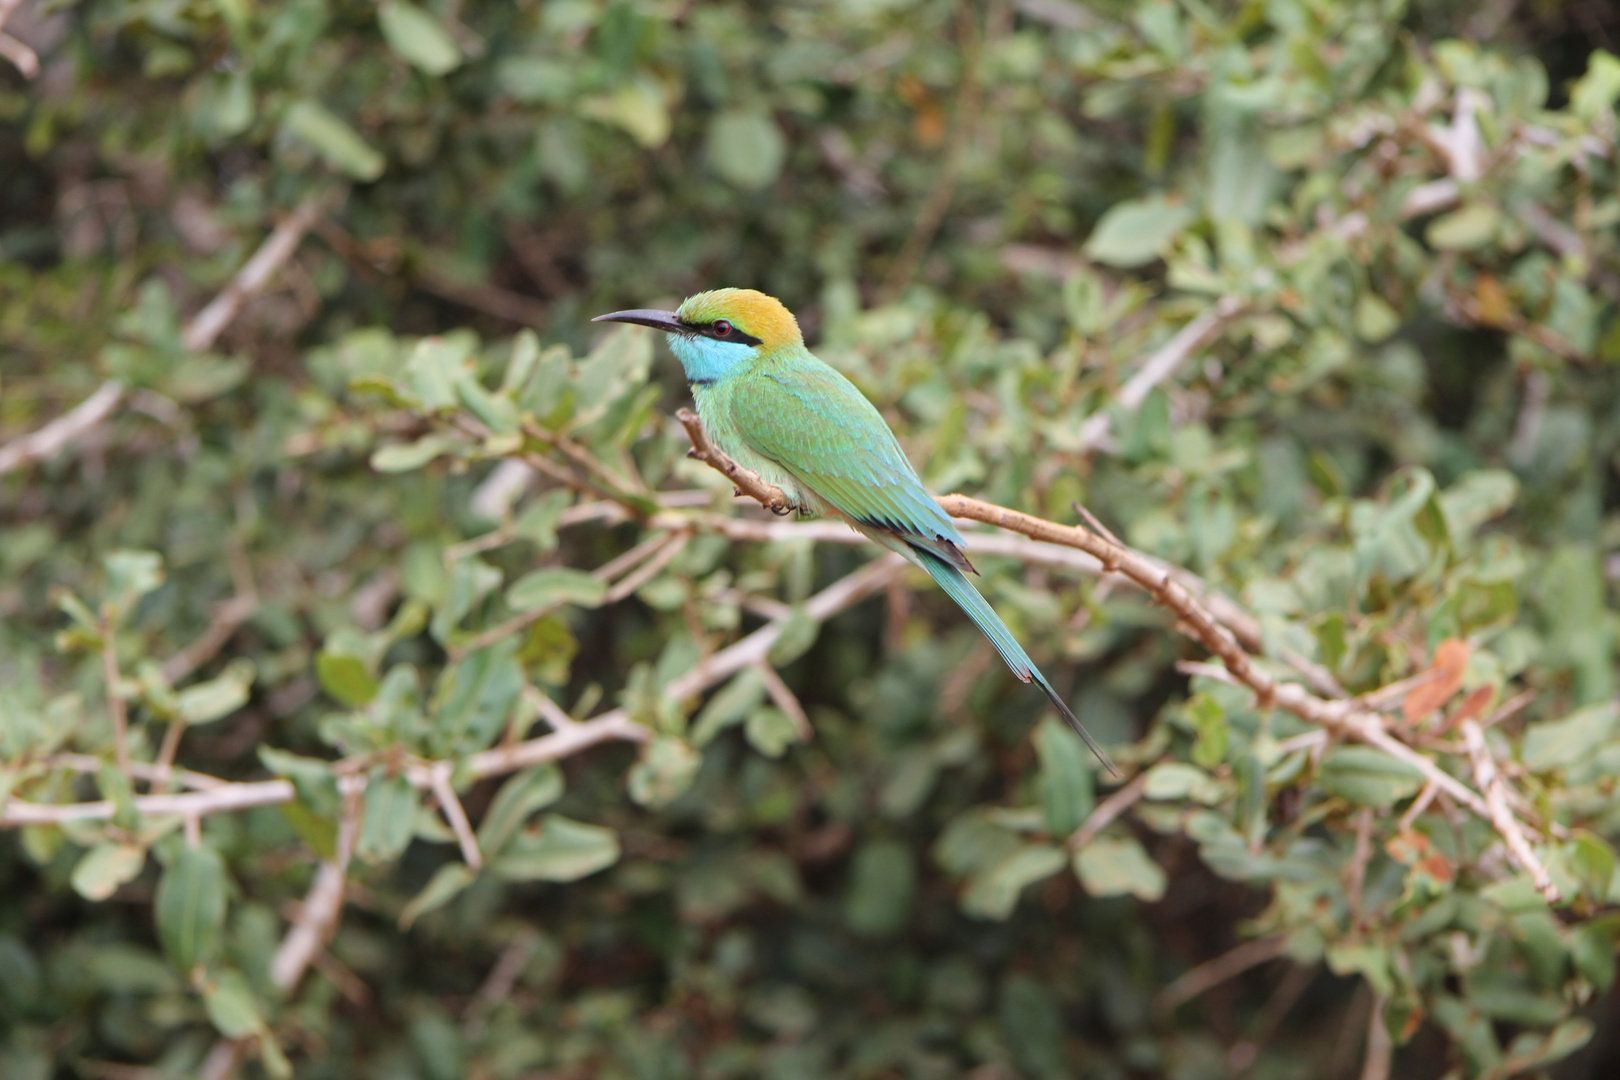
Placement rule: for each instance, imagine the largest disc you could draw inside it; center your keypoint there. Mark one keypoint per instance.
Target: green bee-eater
(776, 409)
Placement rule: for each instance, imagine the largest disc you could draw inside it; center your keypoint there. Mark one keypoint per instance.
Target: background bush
(355, 520)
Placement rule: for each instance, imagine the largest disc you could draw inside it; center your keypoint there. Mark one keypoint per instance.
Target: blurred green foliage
(307, 542)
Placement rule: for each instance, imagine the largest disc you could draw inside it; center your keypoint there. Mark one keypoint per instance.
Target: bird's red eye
(722, 328)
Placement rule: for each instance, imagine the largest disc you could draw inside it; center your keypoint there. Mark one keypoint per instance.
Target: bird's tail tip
(1079, 729)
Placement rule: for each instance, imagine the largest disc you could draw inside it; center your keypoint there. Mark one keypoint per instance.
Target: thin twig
(165, 759)
(55, 436)
(1245, 1052)
(228, 619)
(313, 927)
(24, 58)
(1380, 1047)
(116, 705)
(255, 274)
(783, 697)
(198, 336)
(756, 647)
(1419, 804)
(1211, 973)
(451, 807)
(748, 483)
(1358, 864)
(501, 978)
(322, 905)
(649, 569)
(583, 458)
(649, 548)
(548, 709)
(1489, 779)
(140, 770)
(1107, 810)
(1182, 346)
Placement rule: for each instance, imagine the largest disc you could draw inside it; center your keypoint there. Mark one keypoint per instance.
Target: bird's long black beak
(658, 320)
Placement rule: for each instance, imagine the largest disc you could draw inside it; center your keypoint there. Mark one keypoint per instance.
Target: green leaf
(746, 149)
(117, 788)
(535, 80)
(446, 884)
(522, 795)
(972, 842)
(1110, 866)
(1593, 861)
(554, 586)
(638, 107)
(345, 678)
(1135, 232)
(338, 144)
(1172, 780)
(1530, 1050)
(733, 702)
(434, 368)
(1594, 93)
(1375, 320)
(218, 697)
(405, 457)
(993, 893)
(1477, 497)
(1033, 1026)
(1557, 744)
(390, 815)
(882, 885)
(105, 867)
(771, 731)
(130, 576)
(1368, 777)
(1466, 229)
(561, 849)
(799, 631)
(476, 696)
(418, 38)
(470, 581)
(666, 770)
(19, 974)
(230, 1005)
(1067, 795)
(189, 906)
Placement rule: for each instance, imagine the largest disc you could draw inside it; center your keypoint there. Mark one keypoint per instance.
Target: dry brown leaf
(1450, 660)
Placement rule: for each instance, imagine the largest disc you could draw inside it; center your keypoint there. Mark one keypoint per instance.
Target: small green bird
(776, 409)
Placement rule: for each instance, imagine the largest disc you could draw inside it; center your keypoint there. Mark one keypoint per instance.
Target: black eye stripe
(737, 334)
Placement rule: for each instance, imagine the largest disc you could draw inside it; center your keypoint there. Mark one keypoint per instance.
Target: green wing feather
(817, 426)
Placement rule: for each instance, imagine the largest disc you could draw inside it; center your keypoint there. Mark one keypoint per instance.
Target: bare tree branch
(1108, 810)
(1489, 779)
(205, 328)
(55, 436)
(1183, 346)
(1211, 973)
(451, 808)
(21, 56)
(199, 334)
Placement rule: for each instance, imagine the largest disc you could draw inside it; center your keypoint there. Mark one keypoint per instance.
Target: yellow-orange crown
(749, 310)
